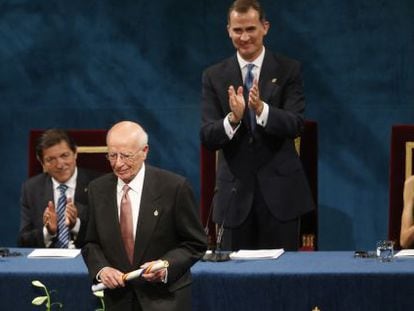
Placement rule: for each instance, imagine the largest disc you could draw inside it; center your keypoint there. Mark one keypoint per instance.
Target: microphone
(216, 254)
(5, 252)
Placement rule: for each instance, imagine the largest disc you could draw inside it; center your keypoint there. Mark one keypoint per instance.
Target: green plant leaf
(38, 284)
(39, 300)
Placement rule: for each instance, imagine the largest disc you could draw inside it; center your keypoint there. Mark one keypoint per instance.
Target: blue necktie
(63, 230)
(248, 83)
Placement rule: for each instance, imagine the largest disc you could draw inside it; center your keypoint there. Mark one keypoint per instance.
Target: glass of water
(385, 250)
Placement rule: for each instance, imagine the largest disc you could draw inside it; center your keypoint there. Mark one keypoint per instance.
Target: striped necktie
(63, 230)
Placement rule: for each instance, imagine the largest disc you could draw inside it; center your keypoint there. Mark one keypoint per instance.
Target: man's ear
(266, 26)
(145, 150)
(41, 163)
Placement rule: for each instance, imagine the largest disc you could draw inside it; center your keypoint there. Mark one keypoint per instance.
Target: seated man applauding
(54, 209)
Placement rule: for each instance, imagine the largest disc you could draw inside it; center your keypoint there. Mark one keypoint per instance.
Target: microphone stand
(207, 225)
(216, 254)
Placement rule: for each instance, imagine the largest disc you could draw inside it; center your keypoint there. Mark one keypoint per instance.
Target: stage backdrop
(88, 64)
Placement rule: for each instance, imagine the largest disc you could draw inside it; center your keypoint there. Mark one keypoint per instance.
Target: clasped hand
(50, 220)
(237, 103)
(113, 278)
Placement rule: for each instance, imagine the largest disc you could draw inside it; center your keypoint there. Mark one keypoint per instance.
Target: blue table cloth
(295, 281)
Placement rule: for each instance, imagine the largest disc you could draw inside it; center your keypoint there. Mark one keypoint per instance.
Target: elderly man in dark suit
(252, 109)
(140, 215)
(42, 224)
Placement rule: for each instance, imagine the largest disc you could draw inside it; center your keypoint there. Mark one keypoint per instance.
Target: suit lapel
(110, 217)
(48, 191)
(149, 213)
(232, 73)
(81, 187)
(268, 82)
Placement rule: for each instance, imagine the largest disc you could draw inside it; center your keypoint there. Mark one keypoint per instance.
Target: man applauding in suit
(252, 110)
(139, 215)
(54, 204)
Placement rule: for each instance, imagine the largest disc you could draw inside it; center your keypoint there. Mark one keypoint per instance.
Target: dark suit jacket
(36, 193)
(267, 156)
(168, 228)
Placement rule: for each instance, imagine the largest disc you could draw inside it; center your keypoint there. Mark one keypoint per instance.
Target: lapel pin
(156, 213)
(274, 80)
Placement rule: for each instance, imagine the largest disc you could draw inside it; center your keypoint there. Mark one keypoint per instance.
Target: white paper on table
(54, 253)
(246, 254)
(405, 253)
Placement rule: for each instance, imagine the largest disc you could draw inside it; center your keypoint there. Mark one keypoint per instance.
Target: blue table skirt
(296, 281)
(67, 277)
(305, 280)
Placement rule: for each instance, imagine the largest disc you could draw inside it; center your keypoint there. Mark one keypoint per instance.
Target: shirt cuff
(228, 128)
(47, 237)
(165, 279)
(98, 275)
(262, 119)
(76, 227)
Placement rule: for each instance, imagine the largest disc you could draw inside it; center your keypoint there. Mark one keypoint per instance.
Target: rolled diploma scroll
(158, 265)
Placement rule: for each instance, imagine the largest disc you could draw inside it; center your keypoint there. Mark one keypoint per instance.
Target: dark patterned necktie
(248, 83)
(125, 220)
(63, 230)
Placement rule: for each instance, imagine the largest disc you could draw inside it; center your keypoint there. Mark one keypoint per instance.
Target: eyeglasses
(54, 160)
(125, 157)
